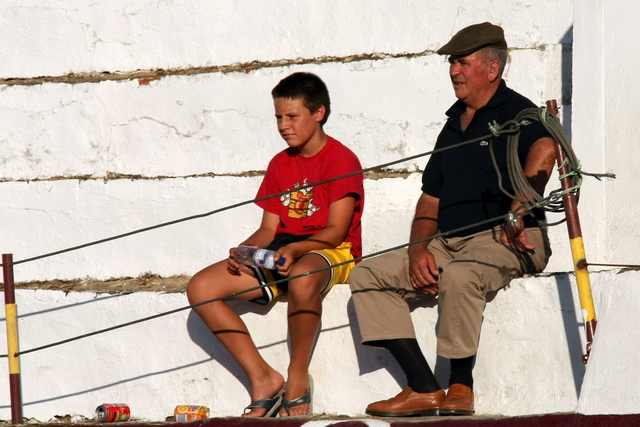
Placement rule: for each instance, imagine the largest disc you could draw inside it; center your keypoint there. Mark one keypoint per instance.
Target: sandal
(307, 398)
(272, 405)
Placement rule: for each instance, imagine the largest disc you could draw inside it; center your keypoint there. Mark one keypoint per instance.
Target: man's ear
(320, 112)
(494, 70)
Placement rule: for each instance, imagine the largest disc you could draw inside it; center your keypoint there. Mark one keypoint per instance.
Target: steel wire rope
(239, 204)
(155, 316)
(233, 294)
(543, 115)
(630, 266)
(515, 172)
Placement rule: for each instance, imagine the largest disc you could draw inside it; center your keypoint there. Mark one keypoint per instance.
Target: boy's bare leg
(304, 316)
(213, 282)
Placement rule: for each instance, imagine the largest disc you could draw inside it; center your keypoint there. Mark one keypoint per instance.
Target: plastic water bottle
(256, 257)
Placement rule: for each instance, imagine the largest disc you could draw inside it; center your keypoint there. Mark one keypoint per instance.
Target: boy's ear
(320, 112)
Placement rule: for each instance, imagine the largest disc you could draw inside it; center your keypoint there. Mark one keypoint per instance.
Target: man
(460, 189)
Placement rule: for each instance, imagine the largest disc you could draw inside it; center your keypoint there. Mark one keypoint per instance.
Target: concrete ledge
(564, 420)
(529, 360)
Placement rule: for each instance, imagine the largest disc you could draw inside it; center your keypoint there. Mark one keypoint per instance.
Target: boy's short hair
(308, 87)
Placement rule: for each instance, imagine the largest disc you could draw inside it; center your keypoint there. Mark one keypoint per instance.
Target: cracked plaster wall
(121, 115)
(90, 152)
(531, 345)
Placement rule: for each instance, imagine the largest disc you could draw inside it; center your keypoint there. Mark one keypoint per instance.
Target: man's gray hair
(493, 54)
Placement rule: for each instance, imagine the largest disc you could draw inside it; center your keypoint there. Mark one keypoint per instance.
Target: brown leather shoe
(459, 401)
(408, 404)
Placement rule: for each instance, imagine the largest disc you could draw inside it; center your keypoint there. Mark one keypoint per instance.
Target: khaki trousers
(470, 267)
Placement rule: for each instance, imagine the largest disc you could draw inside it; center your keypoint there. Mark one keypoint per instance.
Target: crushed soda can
(112, 412)
(191, 412)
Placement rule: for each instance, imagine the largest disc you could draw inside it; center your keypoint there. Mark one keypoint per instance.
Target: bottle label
(263, 258)
(258, 256)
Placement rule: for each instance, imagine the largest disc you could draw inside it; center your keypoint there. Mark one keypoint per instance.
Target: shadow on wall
(108, 385)
(370, 359)
(198, 333)
(567, 66)
(567, 79)
(203, 337)
(572, 329)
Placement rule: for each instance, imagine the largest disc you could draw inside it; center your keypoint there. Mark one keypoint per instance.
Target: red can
(191, 413)
(112, 412)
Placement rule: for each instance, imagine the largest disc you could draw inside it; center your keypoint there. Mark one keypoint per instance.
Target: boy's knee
(195, 289)
(307, 286)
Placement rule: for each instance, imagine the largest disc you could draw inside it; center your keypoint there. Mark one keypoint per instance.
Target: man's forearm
(425, 221)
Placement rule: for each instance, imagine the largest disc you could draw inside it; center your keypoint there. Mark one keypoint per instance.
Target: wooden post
(577, 245)
(12, 339)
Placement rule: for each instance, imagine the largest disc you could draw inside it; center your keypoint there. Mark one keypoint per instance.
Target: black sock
(462, 371)
(408, 354)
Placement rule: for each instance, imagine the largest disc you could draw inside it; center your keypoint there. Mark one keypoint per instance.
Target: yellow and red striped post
(12, 339)
(577, 245)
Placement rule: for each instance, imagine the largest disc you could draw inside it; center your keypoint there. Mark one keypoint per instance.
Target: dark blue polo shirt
(464, 178)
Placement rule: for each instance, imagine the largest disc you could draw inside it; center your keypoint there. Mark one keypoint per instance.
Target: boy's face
(296, 124)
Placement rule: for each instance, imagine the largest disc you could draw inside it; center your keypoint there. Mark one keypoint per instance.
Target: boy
(311, 228)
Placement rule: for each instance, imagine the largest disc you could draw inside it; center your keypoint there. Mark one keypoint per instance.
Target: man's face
(469, 76)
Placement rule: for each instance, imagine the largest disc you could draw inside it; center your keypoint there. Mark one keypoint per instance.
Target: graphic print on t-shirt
(300, 202)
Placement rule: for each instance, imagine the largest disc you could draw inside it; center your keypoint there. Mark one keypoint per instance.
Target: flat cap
(475, 37)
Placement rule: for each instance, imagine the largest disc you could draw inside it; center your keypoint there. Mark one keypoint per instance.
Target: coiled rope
(523, 192)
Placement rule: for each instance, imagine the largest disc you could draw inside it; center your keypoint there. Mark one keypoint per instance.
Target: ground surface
(145, 283)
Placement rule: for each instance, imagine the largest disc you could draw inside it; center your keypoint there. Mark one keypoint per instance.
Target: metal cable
(246, 202)
(144, 319)
(634, 266)
(166, 313)
(530, 200)
(511, 128)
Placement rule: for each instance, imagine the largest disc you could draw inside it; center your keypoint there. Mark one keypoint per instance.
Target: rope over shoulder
(523, 192)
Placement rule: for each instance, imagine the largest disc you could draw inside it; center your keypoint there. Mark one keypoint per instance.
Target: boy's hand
(290, 253)
(233, 266)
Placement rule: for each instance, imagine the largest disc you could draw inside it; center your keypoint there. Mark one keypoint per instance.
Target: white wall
(607, 105)
(531, 345)
(86, 155)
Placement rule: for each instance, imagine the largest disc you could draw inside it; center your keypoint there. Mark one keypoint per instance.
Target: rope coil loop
(522, 190)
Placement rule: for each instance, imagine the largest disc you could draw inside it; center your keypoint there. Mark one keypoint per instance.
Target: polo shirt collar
(501, 95)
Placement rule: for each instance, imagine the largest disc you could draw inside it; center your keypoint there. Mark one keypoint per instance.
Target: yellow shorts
(339, 274)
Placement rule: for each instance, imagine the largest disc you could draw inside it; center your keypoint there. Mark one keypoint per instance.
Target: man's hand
(515, 237)
(537, 171)
(423, 270)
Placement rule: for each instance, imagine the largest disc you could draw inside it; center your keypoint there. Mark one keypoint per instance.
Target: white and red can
(112, 412)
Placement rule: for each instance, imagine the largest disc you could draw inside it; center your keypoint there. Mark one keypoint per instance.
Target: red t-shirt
(307, 211)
